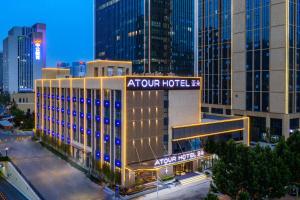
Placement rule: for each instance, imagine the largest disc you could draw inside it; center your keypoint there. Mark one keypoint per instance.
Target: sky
(69, 26)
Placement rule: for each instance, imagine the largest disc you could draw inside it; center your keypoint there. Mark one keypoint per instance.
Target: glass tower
(135, 30)
(156, 35)
(214, 19)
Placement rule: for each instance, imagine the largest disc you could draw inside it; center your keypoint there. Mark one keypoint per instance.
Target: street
(53, 177)
(194, 191)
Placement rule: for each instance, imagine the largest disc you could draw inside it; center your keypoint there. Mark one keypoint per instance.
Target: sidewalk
(195, 191)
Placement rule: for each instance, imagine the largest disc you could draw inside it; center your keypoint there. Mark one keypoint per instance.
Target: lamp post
(6, 151)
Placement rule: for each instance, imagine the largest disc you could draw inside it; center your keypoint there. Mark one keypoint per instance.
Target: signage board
(178, 158)
(160, 83)
(37, 44)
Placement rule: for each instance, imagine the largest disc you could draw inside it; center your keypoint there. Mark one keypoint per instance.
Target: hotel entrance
(183, 168)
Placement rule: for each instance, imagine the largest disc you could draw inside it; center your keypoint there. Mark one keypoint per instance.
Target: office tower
(214, 55)
(157, 36)
(182, 37)
(260, 71)
(24, 55)
(78, 69)
(1, 71)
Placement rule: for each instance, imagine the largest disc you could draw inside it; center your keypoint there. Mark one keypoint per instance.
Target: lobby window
(276, 126)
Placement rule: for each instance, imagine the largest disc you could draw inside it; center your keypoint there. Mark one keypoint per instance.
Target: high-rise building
(1, 71)
(24, 55)
(77, 69)
(249, 57)
(157, 36)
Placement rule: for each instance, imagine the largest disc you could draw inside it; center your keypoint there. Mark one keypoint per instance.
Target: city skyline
(25, 13)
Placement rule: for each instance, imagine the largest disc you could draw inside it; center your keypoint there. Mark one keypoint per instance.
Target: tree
(257, 171)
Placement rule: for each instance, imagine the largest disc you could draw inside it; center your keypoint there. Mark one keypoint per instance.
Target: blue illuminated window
(57, 122)
(106, 138)
(62, 110)
(53, 134)
(53, 108)
(81, 129)
(68, 98)
(106, 158)
(89, 116)
(97, 118)
(48, 96)
(57, 97)
(106, 120)
(48, 118)
(81, 115)
(52, 96)
(49, 132)
(68, 140)
(44, 106)
(118, 123)
(118, 105)
(48, 107)
(81, 100)
(38, 94)
(45, 95)
(69, 112)
(97, 155)
(57, 109)
(74, 99)
(88, 101)
(63, 123)
(118, 141)
(74, 126)
(106, 103)
(97, 102)
(69, 125)
(89, 131)
(98, 134)
(63, 138)
(74, 113)
(118, 163)
(62, 98)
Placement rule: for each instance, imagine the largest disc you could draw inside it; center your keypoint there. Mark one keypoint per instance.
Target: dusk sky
(69, 25)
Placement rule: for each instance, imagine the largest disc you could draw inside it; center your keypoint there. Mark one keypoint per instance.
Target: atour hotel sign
(178, 158)
(168, 83)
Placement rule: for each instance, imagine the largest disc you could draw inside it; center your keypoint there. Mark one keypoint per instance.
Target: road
(194, 191)
(9, 191)
(53, 177)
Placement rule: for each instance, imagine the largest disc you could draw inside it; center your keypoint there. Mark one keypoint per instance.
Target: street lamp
(6, 150)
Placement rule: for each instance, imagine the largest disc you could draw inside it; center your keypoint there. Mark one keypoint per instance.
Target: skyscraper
(1, 71)
(249, 57)
(24, 54)
(157, 36)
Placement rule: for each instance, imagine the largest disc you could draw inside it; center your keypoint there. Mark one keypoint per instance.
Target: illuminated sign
(178, 158)
(152, 83)
(37, 44)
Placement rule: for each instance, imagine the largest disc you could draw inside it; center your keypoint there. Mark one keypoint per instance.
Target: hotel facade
(134, 126)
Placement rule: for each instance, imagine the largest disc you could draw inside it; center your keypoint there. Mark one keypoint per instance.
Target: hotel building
(249, 59)
(135, 126)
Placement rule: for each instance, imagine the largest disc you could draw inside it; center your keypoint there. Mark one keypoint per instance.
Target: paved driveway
(53, 177)
(195, 191)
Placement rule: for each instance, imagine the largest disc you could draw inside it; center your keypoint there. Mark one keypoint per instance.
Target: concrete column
(286, 126)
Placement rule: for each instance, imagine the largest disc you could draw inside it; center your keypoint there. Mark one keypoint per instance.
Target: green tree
(257, 171)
